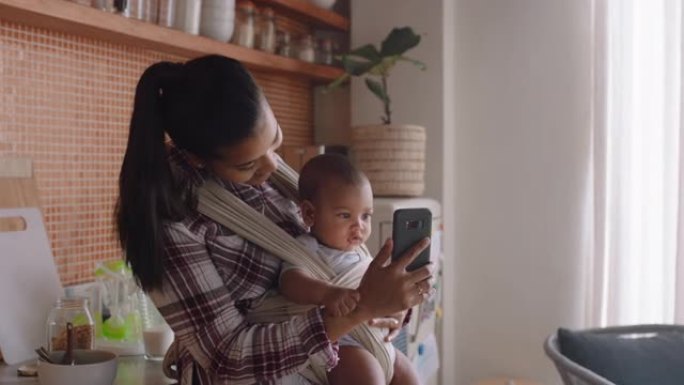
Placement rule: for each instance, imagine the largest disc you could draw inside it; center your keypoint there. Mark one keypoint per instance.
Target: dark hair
(203, 105)
(323, 168)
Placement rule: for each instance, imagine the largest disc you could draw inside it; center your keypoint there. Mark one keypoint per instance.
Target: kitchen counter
(132, 370)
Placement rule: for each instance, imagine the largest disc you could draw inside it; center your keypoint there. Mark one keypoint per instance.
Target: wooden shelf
(319, 16)
(72, 18)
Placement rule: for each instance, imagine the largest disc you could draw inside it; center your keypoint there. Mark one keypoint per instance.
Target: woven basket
(393, 158)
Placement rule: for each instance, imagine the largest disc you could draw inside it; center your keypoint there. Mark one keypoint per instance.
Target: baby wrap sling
(225, 208)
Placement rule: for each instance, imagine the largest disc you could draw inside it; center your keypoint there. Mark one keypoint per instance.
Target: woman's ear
(308, 212)
(194, 160)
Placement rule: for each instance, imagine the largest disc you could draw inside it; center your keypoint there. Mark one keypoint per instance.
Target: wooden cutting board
(29, 282)
(17, 187)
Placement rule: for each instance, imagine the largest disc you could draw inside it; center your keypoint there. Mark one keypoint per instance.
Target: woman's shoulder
(195, 227)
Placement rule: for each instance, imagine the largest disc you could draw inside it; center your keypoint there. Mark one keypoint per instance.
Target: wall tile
(66, 103)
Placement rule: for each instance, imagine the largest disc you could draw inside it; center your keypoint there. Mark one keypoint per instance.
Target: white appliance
(419, 339)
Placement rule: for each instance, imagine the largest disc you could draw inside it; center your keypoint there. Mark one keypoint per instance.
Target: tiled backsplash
(66, 103)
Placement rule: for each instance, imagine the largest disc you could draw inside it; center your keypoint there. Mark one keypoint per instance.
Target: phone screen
(410, 226)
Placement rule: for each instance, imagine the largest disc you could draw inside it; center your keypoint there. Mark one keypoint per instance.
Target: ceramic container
(93, 367)
(187, 16)
(326, 4)
(217, 19)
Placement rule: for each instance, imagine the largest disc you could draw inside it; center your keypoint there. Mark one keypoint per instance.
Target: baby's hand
(393, 322)
(340, 301)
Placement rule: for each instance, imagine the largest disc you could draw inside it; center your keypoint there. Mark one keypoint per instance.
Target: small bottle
(245, 24)
(166, 12)
(284, 44)
(115, 6)
(73, 310)
(306, 49)
(136, 9)
(267, 31)
(144, 10)
(325, 54)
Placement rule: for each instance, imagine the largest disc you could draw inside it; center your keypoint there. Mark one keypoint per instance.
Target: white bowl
(93, 367)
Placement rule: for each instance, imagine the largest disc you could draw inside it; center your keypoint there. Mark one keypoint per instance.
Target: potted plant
(391, 155)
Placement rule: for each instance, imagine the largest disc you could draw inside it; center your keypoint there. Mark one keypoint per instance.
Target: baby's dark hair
(322, 168)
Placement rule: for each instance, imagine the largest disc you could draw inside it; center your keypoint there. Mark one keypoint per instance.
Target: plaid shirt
(211, 277)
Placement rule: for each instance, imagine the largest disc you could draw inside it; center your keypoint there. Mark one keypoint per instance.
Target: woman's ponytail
(148, 196)
(204, 105)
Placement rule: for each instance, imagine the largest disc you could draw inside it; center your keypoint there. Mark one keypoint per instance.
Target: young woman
(202, 276)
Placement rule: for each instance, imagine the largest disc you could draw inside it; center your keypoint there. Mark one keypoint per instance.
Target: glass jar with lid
(245, 24)
(267, 30)
(75, 311)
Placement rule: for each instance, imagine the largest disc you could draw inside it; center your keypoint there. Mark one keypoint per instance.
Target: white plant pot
(393, 158)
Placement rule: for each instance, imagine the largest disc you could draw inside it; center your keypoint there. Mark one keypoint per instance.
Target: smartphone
(409, 227)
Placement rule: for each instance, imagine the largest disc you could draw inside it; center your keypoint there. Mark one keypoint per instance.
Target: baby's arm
(301, 288)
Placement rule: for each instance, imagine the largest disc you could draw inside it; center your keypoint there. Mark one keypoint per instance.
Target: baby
(337, 205)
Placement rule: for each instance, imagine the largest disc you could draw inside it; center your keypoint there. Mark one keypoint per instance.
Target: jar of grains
(75, 311)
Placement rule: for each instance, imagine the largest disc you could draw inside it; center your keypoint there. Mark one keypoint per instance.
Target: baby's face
(342, 215)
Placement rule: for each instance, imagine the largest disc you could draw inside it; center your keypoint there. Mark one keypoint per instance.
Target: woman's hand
(387, 288)
(392, 322)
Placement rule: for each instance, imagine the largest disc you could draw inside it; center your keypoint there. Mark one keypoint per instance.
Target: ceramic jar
(187, 16)
(217, 19)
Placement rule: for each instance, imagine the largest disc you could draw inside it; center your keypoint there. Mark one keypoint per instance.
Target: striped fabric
(211, 277)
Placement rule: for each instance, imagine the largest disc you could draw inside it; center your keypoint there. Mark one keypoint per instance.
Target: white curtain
(637, 263)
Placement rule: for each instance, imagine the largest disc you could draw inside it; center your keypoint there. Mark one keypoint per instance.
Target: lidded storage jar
(74, 310)
(245, 24)
(267, 31)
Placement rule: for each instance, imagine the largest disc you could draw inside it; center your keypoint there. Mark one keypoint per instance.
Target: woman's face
(253, 160)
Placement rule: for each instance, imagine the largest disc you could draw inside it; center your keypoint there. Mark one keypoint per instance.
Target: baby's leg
(357, 366)
(404, 373)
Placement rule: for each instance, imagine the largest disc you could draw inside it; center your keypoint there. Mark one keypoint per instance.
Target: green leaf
(355, 67)
(337, 82)
(368, 52)
(377, 89)
(383, 68)
(418, 63)
(399, 41)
